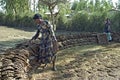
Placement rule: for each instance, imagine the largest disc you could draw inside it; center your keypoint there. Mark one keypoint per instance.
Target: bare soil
(87, 62)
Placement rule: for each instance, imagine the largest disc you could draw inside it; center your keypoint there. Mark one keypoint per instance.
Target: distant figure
(107, 29)
(48, 41)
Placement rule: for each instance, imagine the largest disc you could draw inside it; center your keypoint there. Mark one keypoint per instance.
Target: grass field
(87, 62)
(10, 36)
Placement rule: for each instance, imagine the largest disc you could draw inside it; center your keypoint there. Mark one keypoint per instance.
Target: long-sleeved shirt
(46, 31)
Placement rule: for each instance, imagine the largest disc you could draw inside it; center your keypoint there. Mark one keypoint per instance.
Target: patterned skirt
(45, 51)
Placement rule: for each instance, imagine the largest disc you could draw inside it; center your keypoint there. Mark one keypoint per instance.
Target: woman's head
(107, 19)
(37, 18)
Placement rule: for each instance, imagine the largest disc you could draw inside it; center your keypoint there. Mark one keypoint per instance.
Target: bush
(78, 22)
(85, 22)
(82, 21)
(16, 21)
(2, 19)
(96, 22)
(61, 23)
(115, 22)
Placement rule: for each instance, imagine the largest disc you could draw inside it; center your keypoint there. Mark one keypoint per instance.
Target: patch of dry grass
(7, 34)
(11, 36)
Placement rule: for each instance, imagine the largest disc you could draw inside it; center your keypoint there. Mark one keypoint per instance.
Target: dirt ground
(89, 62)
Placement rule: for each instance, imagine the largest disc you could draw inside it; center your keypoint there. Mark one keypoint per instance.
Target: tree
(74, 5)
(51, 4)
(118, 4)
(91, 6)
(16, 7)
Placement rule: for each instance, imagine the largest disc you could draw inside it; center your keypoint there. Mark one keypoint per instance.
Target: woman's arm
(36, 35)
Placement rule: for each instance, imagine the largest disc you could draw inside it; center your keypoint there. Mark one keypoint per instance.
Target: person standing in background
(107, 29)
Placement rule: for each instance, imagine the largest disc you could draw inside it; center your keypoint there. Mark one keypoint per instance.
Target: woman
(46, 50)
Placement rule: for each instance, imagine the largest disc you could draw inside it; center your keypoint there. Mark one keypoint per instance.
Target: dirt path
(85, 63)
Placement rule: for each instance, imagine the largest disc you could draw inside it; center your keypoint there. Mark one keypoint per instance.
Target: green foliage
(9, 19)
(82, 5)
(61, 23)
(96, 22)
(25, 21)
(15, 7)
(2, 19)
(84, 15)
(16, 21)
(116, 22)
(85, 22)
(79, 22)
(74, 6)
